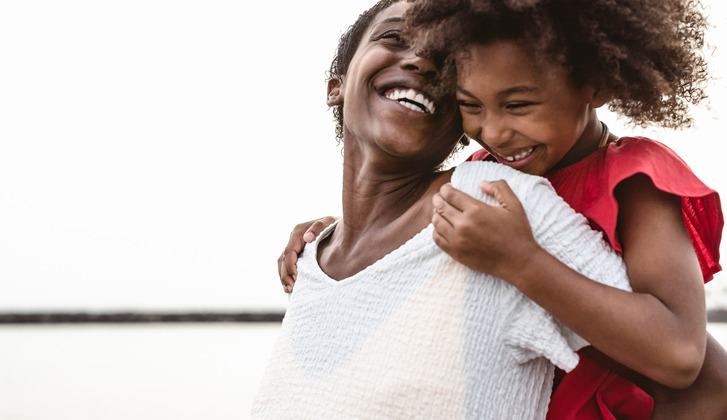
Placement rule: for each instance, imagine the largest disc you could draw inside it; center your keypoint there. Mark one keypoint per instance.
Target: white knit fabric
(417, 335)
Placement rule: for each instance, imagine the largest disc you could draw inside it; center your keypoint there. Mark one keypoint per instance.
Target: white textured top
(417, 335)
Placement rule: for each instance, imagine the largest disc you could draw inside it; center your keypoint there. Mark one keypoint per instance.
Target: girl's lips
(518, 156)
(519, 159)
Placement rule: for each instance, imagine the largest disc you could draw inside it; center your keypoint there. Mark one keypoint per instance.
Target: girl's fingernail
(288, 289)
(309, 237)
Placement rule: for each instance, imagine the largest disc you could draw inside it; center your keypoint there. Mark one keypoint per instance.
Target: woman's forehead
(395, 12)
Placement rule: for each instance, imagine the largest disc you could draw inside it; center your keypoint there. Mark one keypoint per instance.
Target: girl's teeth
(521, 156)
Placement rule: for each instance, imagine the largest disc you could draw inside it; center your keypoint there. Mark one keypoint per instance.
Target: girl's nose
(493, 132)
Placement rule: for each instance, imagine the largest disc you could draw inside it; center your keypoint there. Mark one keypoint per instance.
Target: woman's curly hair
(346, 49)
(645, 55)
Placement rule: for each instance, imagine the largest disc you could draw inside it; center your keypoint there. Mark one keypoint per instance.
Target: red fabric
(588, 187)
(590, 391)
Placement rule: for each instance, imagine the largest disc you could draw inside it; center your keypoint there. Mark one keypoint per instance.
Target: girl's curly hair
(645, 55)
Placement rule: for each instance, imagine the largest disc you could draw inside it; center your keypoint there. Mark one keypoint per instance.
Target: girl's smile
(529, 116)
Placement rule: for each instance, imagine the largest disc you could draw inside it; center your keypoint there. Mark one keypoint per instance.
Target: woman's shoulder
(469, 174)
(535, 193)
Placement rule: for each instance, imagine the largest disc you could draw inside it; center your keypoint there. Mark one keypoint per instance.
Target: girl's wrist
(527, 269)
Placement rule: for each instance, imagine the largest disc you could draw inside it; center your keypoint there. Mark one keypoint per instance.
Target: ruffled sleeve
(588, 186)
(598, 175)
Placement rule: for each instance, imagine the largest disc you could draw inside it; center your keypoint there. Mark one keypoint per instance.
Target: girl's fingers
(502, 193)
(442, 227)
(302, 233)
(317, 227)
(440, 240)
(458, 199)
(288, 269)
(443, 212)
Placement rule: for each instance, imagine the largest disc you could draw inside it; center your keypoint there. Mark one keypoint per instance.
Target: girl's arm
(662, 265)
(706, 399)
(302, 233)
(659, 330)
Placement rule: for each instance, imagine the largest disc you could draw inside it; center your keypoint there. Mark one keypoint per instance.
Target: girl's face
(385, 101)
(530, 118)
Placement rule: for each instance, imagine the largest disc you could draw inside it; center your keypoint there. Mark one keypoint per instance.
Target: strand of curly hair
(646, 55)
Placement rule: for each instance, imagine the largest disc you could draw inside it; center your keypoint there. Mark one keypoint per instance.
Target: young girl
(529, 78)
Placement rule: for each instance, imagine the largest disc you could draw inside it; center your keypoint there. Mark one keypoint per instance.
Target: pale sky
(155, 154)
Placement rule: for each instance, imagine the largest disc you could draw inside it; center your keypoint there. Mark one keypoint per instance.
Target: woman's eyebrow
(393, 19)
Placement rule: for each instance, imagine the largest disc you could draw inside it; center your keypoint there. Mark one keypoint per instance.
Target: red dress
(590, 391)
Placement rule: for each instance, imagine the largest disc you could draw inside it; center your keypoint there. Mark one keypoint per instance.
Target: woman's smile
(412, 99)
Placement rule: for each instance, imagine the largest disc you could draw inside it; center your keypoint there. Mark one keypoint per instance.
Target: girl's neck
(590, 141)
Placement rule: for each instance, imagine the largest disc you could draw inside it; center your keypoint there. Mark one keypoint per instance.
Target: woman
(382, 323)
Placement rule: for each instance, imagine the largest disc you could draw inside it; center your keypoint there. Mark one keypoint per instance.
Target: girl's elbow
(685, 367)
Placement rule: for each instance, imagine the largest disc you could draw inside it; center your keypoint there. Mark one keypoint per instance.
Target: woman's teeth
(412, 99)
(520, 156)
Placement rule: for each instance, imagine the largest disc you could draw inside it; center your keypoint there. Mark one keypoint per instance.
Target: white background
(155, 154)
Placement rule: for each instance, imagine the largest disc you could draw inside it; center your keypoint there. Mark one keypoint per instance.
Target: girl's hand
(303, 233)
(491, 239)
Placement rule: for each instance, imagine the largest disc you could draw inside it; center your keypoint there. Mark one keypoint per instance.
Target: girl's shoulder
(588, 186)
(629, 156)
(646, 153)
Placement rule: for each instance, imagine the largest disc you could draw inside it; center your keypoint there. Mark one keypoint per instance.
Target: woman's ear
(335, 91)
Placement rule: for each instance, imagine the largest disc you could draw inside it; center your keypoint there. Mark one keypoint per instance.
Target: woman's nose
(418, 62)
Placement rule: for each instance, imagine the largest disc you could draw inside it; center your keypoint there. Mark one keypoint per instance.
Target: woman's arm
(659, 330)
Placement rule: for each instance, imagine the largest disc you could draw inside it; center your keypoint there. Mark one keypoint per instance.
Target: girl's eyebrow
(460, 89)
(507, 92)
(517, 89)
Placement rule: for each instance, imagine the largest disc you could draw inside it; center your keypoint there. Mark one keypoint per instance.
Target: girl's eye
(518, 105)
(467, 105)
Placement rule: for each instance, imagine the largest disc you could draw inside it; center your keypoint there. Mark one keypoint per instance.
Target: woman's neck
(381, 211)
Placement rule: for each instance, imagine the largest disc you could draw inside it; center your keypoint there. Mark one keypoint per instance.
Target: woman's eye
(393, 34)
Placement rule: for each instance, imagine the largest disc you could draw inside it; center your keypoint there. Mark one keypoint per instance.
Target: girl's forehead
(508, 63)
(511, 53)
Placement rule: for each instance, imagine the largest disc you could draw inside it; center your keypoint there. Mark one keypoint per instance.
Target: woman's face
(385, 99)
(529, 117)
